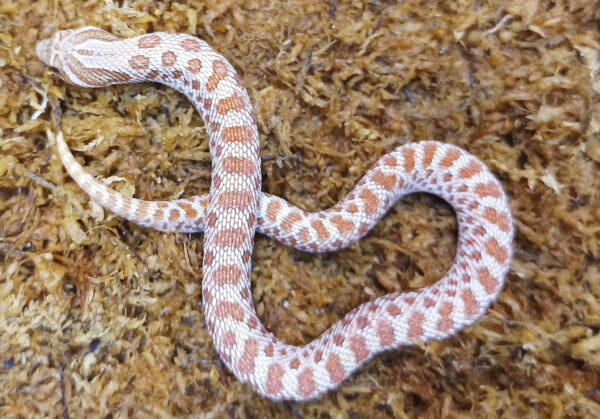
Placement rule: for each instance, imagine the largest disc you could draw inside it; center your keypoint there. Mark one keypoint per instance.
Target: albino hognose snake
(235, 207)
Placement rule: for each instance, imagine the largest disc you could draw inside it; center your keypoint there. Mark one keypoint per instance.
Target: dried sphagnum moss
(100, 318)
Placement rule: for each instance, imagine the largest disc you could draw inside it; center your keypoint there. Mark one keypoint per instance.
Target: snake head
(52, 51)
(69, 52)
(48, 50)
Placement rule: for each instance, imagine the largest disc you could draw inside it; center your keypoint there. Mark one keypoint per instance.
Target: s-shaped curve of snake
(235, 208)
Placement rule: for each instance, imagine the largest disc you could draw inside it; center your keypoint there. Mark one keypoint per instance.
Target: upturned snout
(42, 49)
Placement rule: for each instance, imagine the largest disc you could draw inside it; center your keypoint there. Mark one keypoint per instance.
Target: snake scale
(235, 208)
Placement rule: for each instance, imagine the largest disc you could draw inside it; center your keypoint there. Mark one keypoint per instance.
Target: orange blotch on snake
(242, 133)
(239, 165)
(445, 323)
(415, 325)
(273, 210)
(216, 181)
(370, 202)
(173, 215)
(169, 59)
(493, 248)
(228, 340)
(322, 232)
(385, 332)
(220, 71)
(306, 382)
(142, 211)
(139, 62)
(246, 256)
(235, 200)
(269, 350)
(245, 365)
(473, 168)
(252, 322)
(228, 309)
(226, 275)
(190, 212)
(429, 152)
(409, 159)
(288, 222)
(394, 310)
(359, 347)
(94, 33)
(501, 220)
(386, 181)
(208, 258)
(491, 189)
(274, 375)
(251, 221)
(231, 237)
(191, 45)
(451, 156)
(489, 283)
(390, 161)
(352, 209)
(335, 369)
(471, 307)
(234, 103)
(194, 66)
(149, 41)
(207, 296)
(245, 294)
(211, 219)
(362, 322)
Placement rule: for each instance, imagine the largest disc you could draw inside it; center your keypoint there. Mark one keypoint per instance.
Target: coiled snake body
(235, 207)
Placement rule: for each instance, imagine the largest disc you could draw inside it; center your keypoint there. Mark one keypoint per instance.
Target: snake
(235, 209)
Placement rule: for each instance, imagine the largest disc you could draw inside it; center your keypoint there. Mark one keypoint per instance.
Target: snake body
(235, 208)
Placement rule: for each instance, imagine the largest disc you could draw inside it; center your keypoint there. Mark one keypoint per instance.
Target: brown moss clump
(100, 318)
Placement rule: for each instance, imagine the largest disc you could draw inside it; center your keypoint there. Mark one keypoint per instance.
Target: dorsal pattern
(235, 208)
